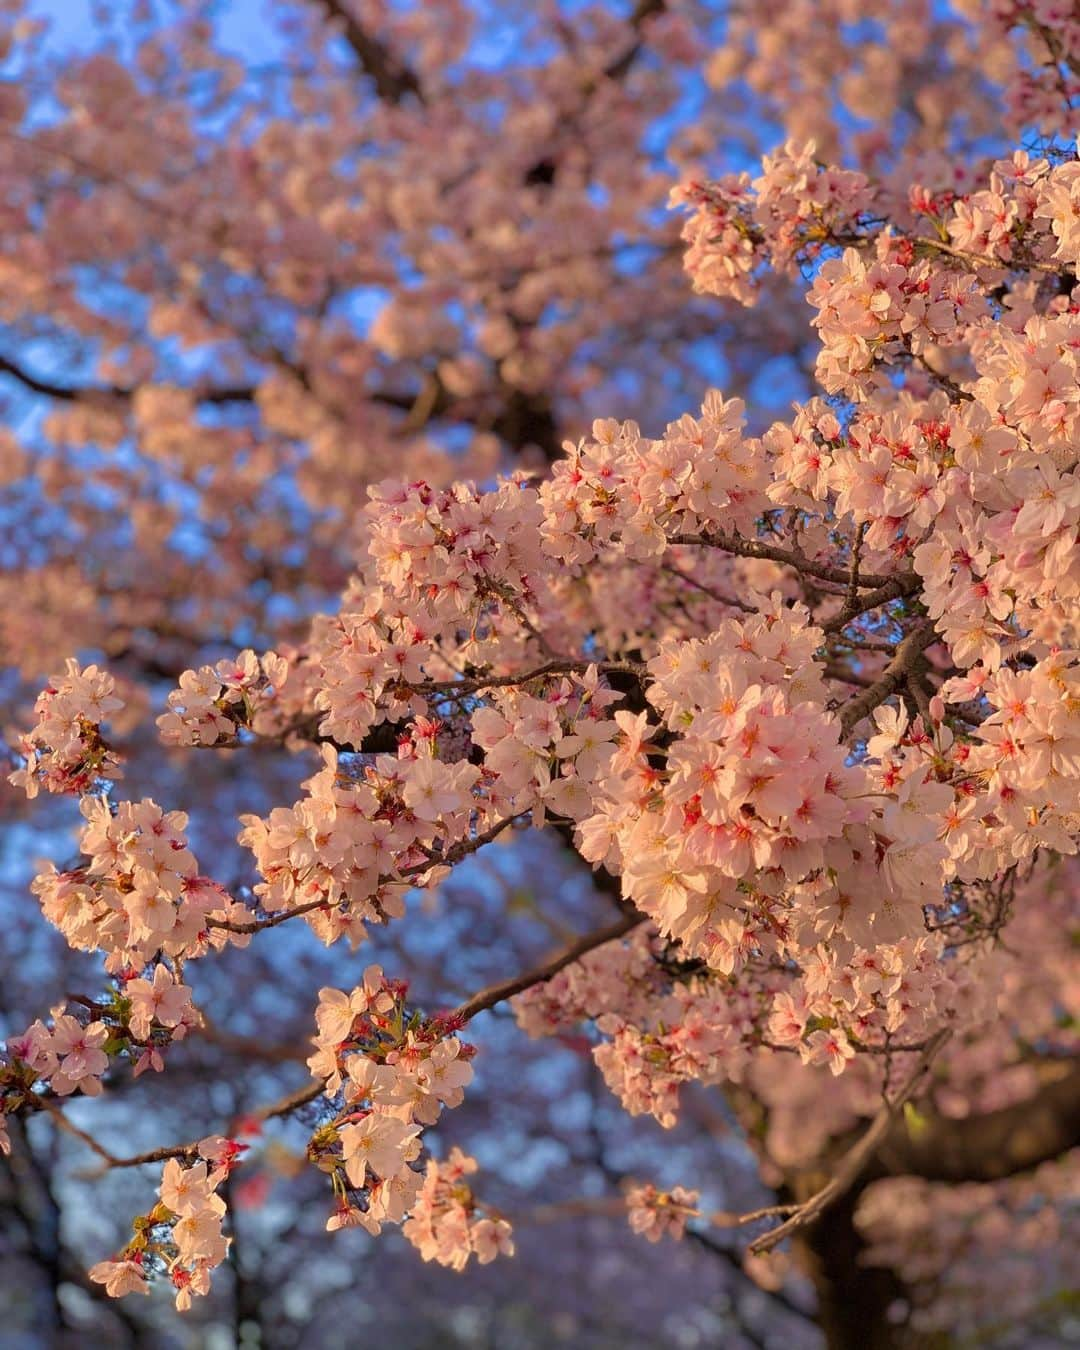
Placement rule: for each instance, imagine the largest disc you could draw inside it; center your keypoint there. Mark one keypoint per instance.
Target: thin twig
(730, 600)
(757, 548)
(982, 260)
(853, 1162)
(452, 855)
(496, 993)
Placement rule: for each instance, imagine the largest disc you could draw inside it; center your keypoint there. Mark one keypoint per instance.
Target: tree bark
(853, 1299)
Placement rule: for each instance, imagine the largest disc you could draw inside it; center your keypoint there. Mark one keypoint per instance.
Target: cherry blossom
(448, 1224)
(802, 688)
(657, 1214)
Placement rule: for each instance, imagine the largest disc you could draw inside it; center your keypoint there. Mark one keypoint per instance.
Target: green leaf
(917, 1124)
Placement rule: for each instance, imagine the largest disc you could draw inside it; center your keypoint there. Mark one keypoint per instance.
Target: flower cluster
(366, 660)
(802, 203)
(65, 751)
(750, 794)
(343, 851)
(667, 1021)
(1003, 788)
(788, 214)
(395, 1071)
(999, 222)
(721, 252)
(703, 1031)
(448, 1224)
(546, 748)
(140, 891)
(1059, 203)
(68, 1057)
(137, 1023)
(622, 489)
(460, 557)
(158, 1011)
(875, 312)
(214, 702)
(181, 1237)
(657, 1214)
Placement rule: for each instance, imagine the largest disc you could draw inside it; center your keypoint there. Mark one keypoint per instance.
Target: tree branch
(73, 394)
(496, 993)
(982, 260)
(393, 78)
(994, 1145)
(644, 9)
(892, 590)
(851, 1165)
(892, 677)
(480, 1002)
(905, 583)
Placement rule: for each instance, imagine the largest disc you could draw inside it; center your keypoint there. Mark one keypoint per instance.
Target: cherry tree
(347, 542)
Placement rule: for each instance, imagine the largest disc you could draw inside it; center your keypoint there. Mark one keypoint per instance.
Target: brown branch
(891, 678)
(452, 855)
(866, 645)
(394, 80)
(892, 590)
(757, 548)
(90, 393)
(893, 1048)
(46, 1104)
(981, 260)
(851, 1165)
(856, 559)
(496, 993)
(282, 1107)
(995, 1144)
(556, 667)
(260, 925)
(921, 691)
(850, 240)
(644, 9)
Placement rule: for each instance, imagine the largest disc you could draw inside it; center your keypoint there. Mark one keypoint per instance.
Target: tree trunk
(853, 1299)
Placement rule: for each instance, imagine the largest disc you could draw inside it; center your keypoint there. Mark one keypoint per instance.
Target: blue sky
(244, 24)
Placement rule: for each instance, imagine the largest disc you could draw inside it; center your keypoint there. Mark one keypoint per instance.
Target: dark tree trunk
(853, 1299)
